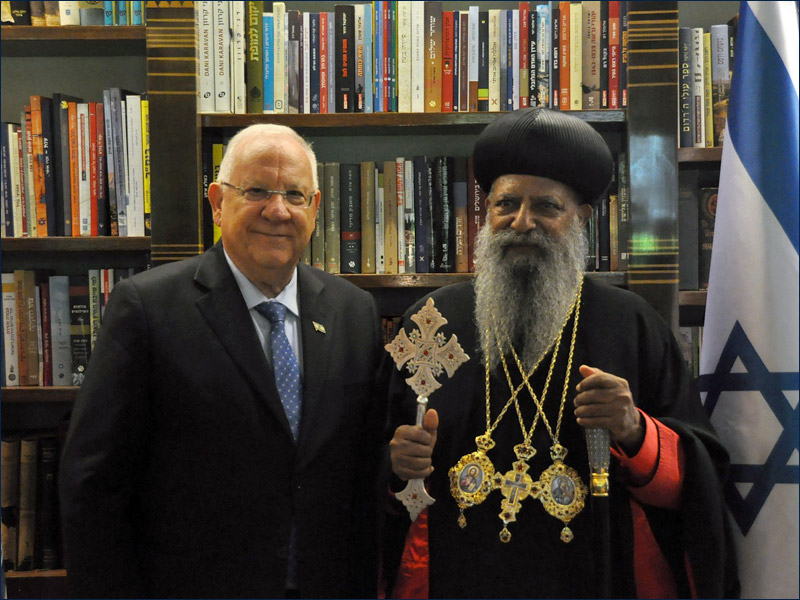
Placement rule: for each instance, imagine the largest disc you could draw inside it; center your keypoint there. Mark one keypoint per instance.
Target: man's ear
(584, 213)
(215, 200)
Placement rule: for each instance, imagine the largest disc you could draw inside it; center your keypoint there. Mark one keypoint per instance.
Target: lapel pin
(319, 327)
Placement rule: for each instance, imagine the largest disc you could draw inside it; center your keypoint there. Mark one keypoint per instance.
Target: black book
(604, 57)
(313, 37)
(447, 240)
(345, 79)
(555, 49)
(20, 12)
(434, 217)
(707, 209)
(61, 161)
(47, 491)
(421, 214)
(350, 217)
(603, 237)
(688, 228)
(80, 329)
(53, 211)
(483, 61)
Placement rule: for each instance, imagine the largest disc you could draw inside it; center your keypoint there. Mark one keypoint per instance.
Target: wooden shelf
(692, 297)
(436, 280)
(38, 584)
(29, 33)
(36, 573)
(39, 394)
(390, 122)
(695, 155)
(75, 244)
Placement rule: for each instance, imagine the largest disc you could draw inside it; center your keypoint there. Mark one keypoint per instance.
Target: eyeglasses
(294, 198)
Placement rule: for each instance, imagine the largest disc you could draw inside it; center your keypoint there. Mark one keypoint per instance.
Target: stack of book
(50, 324)
(404, 56)
(75, 168)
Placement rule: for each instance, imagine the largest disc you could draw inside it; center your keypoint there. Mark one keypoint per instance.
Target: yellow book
(217, 152)
(575, 56)
(708, 105)
(145, 104)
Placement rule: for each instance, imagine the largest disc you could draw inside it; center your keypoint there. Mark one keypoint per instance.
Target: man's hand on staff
(411, 448)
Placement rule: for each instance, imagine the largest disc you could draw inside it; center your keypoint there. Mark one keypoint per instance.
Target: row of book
(75, 168)
(29, 510)
(50, 324)
(404, 56)
(706, 65)
(697, 209)
(422, 215)
(55, 14)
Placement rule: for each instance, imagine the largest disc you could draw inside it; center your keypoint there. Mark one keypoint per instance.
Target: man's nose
(524, 219)
(275, 209)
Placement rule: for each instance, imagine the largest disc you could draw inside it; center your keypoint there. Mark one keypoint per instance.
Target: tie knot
(275, 312)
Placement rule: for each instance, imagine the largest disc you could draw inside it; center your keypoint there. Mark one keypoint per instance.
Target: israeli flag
(749, 358)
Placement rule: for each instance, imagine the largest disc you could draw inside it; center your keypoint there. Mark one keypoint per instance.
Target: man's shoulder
(334, 285)
(456, 296)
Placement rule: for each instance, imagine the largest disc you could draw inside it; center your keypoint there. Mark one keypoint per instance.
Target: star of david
(772, 386)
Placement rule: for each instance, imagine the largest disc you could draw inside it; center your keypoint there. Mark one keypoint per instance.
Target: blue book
(108, 12)
(421, 213)
(122, 12)
(137, 16)
(268, 40)
(378, 56)
(368, 86)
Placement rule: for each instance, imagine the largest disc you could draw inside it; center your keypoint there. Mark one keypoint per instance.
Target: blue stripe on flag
(763, 121)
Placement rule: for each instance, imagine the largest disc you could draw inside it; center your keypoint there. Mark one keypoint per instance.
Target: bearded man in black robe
(551, 353)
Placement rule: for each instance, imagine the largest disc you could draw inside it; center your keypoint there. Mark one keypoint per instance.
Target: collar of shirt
(288, 297)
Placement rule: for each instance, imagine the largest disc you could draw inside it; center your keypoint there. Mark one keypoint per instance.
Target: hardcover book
(350, 194)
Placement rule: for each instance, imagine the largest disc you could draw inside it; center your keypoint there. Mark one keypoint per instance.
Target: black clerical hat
(545, 143)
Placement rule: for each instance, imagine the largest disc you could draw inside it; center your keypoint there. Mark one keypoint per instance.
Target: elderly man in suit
(226, 439)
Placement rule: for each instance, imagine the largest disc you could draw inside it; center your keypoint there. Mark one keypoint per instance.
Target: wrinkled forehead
(281, 149)
(533, 186)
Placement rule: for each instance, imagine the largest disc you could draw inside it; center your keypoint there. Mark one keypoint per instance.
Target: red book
(613, 54)
(323, 62)
(93, 164)
(74, 167)
(563, 67)
(448, 55)
(38, 166)
(524, 53)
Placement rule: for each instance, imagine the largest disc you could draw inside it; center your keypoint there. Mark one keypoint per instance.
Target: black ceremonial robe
(620, 333)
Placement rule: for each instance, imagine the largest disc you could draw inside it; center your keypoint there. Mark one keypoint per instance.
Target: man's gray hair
(264, 130)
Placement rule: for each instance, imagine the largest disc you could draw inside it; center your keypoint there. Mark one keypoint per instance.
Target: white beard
(525, 298)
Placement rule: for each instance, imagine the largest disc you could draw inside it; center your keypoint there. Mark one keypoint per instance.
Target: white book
(408, 213)
(380, 255)
(404, 50)
(205, 56)
(135, 168)
(515, 51)
(238, 86)
(494, 60)
(417, 57)
(60, 330)
(305, 48)
(333, 60)
(16, 192)
(280, 28)
(401, 214)
(575, 56)
(84, 171)
(10, 335)
(474, 48)
(222, 57)
(698, 88)
(68, 13)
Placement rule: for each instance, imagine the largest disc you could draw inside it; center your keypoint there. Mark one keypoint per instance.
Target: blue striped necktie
(284, 363)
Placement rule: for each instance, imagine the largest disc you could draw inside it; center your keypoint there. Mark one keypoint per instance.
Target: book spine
(8, 199)
(48, 506)
(698, 89)
(60, 326)
(145, 157)
(720, 80)
(514, 58)
(93, 168)
(222, 57)
(135, 168)
(590, 53)
(448, 55)
(31, 326)
(10, 331)
(494, 60)
(313, 62)
(350, 194)
(417, 57)
(122, 13)
(555, 62)
(421, 214)
(255, 56)
(358, 55)
(13, 180)
(324, 63)
(137, 12)
(408, 217)
(45, 334)
(238, 57)
(279, 56)
(708, 109)
(564, 55)
(9, 499)
(28, 471)
(205, 56)
(463, 61)
(94, 306)
(604, 54)
(345, 72)
(380, 224)
(623, 53)
(575, 55)
(613, 54)
(268, 58)
(293, 62)
(433, 40)
(332, 218)
(369, 93)
(603, 237)
(483, 61)
(318, 236)
(686, 104)
(688, 228)
(367, 175)
(390, 217)
(707, 209)
(524, 53)
(39, 182)
(543, 51)
(84, 170)
(444, 184)
(624, 200)
(80, 326)
(113, 225)
(477, 213)
(460, 214)
(400, 191)
(474, 51)
(404, 56)
(30, 196)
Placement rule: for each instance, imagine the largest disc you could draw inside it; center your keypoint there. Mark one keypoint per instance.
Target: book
(9, 499)
(267, 63)
(350, 217)
(400, 194)
(367, 185)
(543, 52)
(555, 56)
(603, 236)
(359, 59)
(623, 53)
(30, 196)
(27, 327)
(408, 216)
(707, 210)
(443, 183)
(84, 171)
(604, 54)
(462, 64)
(688, 228)
(698, 88)
(203, 11)
(494, 59)
(10, 333)
(68, 13)
(624, 230)
(93, 184)
(564, 55)
(91, 13)
(48, 533)
(474, 57)
(369, 95)
(390, 217)
(293, 61)
(61, 160)
(28, 472)
(325, 62)
(279, 56)
(614, 54)
(19, 13)
(344, 57)
(133, 106)
(720, 80)
(8, 196)
(146, 190)
(45, 338)
(708, 108)
(238, 57)
(421, 214)
(37, 13)
(313, 62)
(405, 55)
(525, 53)
(685, 98)
(433, 44)
(137, 12)
(60, 330)
(122, 13)
(380, 224)
(318, 236)
(332, 217)
(80, 326)
(254, 55)
(45, 213)
(575, 55)
(476, 213)
(94, 306)
(461, 262)
(448, 58)
(590, 68)
(221, 36)
(52, 16)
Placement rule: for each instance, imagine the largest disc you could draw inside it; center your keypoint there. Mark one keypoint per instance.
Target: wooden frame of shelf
(689, 155)
(436, 280)
(38, 584)
(29, 33)
(39, 394)
(75, 244)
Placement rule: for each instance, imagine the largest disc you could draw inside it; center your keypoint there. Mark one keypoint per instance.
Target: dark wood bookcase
(162, 61)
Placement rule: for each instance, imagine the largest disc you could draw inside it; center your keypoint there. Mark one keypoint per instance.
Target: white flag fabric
(749, 361)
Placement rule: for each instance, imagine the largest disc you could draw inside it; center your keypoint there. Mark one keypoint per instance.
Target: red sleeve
(655, 473)
(412, 575)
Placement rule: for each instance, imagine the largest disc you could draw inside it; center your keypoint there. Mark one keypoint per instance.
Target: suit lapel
(226, 313)
(319, 325)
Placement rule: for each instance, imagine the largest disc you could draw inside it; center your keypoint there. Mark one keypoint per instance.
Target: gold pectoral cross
(515, 485)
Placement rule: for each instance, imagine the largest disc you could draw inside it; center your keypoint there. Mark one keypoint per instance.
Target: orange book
(448, 56)
(563, 58)
(433, 57)
(38, 166)
(74, 173)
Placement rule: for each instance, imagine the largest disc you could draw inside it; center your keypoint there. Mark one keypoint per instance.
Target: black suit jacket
(180, 476)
